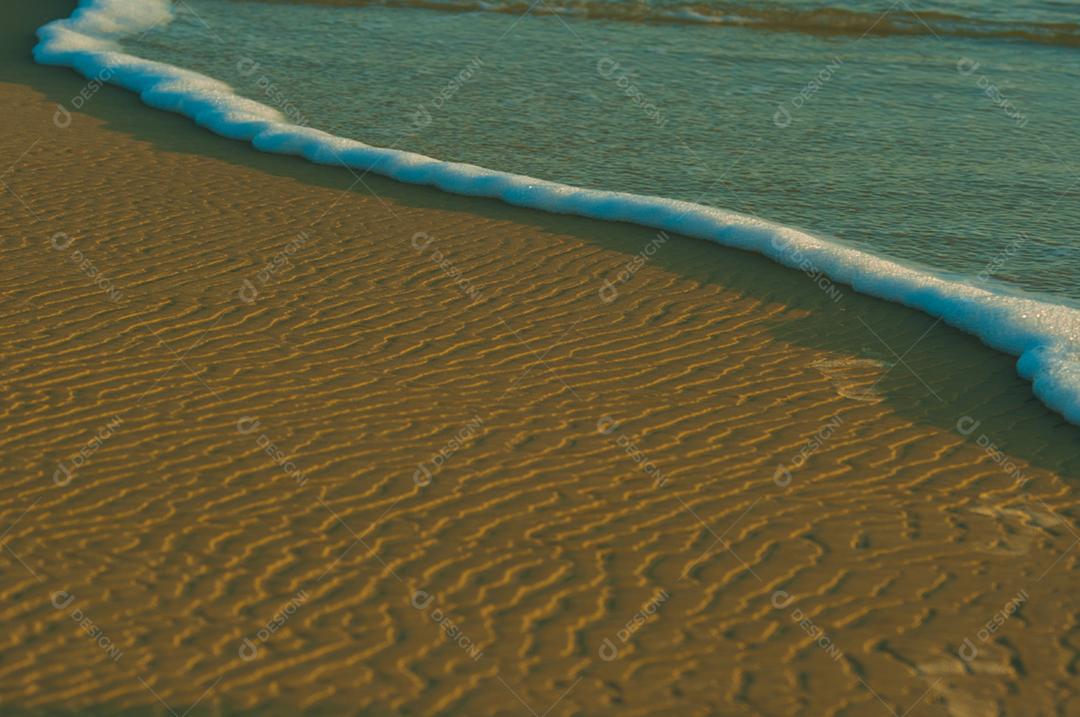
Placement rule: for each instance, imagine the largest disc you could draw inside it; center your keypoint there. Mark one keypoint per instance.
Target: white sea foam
(1045, 336)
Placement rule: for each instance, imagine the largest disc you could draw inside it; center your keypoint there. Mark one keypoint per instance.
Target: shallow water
(951, 151)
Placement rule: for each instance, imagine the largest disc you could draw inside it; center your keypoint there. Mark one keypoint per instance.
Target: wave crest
(1045, 336)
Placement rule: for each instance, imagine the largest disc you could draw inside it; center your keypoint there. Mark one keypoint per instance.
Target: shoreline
(1038, 333)
(492, 451)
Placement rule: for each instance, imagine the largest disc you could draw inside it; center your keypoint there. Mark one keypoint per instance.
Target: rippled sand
(476, 488)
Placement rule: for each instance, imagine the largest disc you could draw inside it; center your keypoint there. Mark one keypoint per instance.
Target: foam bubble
(1045, 336)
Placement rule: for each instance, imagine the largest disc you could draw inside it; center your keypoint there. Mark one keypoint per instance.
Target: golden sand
(476, 488)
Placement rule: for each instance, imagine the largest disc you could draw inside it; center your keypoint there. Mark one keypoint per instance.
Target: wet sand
(350, 447)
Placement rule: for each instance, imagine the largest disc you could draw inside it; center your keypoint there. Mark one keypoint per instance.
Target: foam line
(1045, 336)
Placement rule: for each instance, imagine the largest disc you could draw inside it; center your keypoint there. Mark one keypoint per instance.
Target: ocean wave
(894, 20)
(1044, 335)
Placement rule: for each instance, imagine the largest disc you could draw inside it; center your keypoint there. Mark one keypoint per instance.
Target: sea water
(922, 153)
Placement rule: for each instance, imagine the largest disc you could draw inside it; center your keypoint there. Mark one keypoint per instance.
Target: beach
(290, 439)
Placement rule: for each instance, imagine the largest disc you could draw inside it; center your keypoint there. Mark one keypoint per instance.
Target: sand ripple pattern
(354, 488)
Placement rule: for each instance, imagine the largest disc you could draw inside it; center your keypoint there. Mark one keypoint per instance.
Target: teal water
(952, 143)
